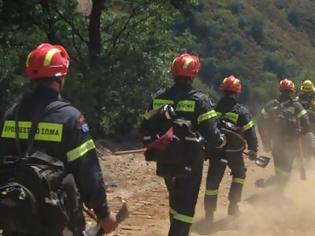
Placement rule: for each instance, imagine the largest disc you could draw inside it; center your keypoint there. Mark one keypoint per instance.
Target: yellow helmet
(307, 86)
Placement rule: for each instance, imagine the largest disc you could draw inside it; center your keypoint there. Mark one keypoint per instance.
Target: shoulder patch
(82, 125)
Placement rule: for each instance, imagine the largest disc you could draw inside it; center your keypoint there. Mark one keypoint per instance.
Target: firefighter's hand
(252, 155)
(109, 223)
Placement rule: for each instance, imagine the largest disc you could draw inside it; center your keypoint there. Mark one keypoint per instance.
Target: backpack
(173, 145)
(33, 194)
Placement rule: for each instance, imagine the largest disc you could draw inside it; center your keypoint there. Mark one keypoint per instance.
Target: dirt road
(262, 212)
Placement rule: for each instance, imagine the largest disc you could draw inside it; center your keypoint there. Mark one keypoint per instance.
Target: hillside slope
(256, 40)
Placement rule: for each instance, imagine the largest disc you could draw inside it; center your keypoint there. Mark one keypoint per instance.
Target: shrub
(294, 17)
(280, 4)
(236, 6)
(252, 26)
(281, 66)
(236, 44)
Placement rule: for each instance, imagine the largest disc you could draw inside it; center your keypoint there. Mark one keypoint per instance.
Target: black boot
(209, 217)
(233, 209)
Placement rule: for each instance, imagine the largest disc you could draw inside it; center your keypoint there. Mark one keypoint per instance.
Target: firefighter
(195, 107)
(307, 95)
(283, 121)
(239, 119)
(307, 99)
(63, 133)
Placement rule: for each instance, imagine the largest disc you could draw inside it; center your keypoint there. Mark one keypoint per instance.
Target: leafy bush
(236, 44)
(253, 26)
(236, 6)
(280, 65)
(281, 4)
(263, 91)
(294, 17)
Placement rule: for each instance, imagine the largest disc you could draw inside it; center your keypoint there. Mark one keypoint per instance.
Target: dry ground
(262, 212)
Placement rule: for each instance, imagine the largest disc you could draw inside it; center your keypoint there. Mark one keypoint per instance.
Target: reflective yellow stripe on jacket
(231, 116)
(45, 131)
(301, 113)
(206, 116)
(157, 103)
(248, 125)
(80, 151)
(181, 217)
(186, 106)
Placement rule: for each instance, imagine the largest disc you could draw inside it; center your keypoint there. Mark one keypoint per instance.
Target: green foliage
(294, 16)
(140, 38)
(235, 44)
(265, 89)
(253, 26)
(138, 45)
(236, 6)
(280, 4)
(280, 65)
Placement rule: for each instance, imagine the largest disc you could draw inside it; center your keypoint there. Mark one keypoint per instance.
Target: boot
(203, 226)
(233, 209)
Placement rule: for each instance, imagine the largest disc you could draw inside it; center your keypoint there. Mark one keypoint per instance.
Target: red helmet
(47, 61)
(231, 84)
(287, 85)
(185, 65)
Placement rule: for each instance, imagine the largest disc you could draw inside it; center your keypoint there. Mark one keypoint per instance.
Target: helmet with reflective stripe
(287, 85)
(47, 61)
(231, 84)
(185, 65)
(307, 86)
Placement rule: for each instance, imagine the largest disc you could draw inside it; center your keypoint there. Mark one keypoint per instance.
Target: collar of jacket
(285, 97)
(46, 93)
(231, 100)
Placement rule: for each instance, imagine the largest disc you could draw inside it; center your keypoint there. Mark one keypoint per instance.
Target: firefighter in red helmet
(282, 125)
(194, 108)
(237, 118)
(62, 136)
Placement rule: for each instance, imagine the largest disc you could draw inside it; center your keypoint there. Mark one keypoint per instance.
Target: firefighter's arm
(303, 118)
(307, 137)
(84, 165)
(207, 125)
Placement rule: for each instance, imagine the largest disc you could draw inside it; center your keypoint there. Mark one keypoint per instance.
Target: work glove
(252, 155)
(167, 111)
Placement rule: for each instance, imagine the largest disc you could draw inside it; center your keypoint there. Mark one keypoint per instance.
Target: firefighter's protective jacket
(229, 109)
(191, 105)
(63, 134)
(308, 101)
(289, 116)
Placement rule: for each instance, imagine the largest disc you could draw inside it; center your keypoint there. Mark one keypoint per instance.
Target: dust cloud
(268, 212)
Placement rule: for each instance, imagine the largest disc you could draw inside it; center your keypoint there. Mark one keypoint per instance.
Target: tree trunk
(51, 33)
(95, 32)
